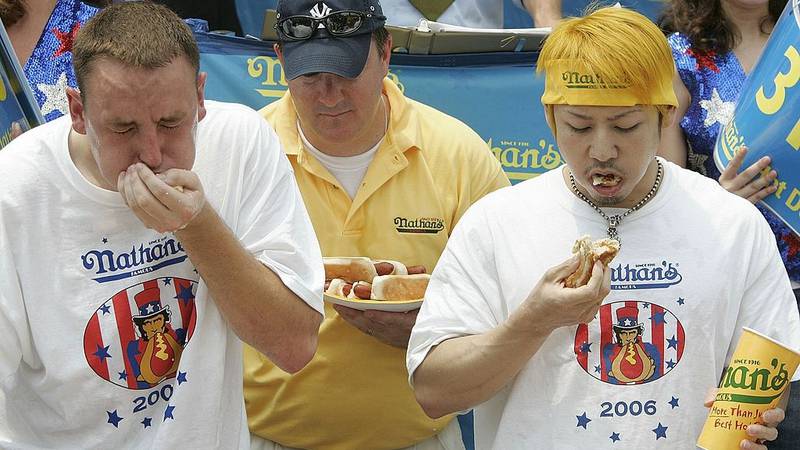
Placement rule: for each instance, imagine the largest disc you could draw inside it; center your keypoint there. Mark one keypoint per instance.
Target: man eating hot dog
(627, 359)
(383, 177)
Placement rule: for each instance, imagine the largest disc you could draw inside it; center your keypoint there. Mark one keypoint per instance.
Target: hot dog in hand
(603, 250)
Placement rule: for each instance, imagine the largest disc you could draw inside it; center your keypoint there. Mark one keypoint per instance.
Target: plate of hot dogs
(363, 283)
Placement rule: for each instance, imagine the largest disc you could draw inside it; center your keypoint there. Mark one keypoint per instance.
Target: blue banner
(495, 94)
(767, 117)
(16, 99)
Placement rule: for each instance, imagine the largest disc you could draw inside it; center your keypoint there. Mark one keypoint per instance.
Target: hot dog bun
(400, 287)
(336, 287)
(388, 267)
(603, 250)
(350, 269)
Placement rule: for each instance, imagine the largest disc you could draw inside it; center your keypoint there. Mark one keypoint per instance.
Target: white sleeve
(13, 319)
(463, 296)
(273, 222)
(768, 304)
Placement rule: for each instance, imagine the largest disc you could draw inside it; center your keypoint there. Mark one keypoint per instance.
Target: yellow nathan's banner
(468, 87)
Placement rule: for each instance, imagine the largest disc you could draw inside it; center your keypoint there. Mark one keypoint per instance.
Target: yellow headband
(570, 82)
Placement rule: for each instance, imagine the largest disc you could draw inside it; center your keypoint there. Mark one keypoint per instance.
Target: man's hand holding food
(165, 202)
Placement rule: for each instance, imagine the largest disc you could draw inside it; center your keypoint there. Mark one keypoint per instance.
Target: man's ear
(277, 48)
(201, 87)
(76, 110)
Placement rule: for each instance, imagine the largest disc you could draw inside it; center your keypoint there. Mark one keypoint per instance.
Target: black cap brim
(344, 56)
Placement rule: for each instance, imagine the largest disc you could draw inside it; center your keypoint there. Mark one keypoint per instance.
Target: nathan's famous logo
(578, 80)
(520, 161)
(645, 276)
(630, 343)
(135, 338)
(111, 266)
(273, 80)
(269, 68)
(744, 374)
(428, 225)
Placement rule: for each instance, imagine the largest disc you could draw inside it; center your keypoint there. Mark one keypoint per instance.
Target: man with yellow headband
(627, 359)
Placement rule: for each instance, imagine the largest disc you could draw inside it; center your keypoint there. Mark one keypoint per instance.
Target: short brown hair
(380, 35)
(707, 26)
(138, 34)
(11, 11)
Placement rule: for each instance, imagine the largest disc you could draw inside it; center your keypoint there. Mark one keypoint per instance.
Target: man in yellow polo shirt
(382, 176)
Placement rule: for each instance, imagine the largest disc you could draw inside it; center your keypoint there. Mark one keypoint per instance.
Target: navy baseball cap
(309, 46)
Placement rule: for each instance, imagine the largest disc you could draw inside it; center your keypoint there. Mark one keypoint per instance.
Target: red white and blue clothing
(49, 69)
(714, 82)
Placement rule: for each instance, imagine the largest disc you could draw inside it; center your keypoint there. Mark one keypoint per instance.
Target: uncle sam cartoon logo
(630, 343)
(135, 339)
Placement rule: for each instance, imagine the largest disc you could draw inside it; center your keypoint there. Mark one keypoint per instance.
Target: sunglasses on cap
(339, 23)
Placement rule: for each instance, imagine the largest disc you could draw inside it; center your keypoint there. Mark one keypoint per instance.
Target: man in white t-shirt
(140, 239)
(627, 359)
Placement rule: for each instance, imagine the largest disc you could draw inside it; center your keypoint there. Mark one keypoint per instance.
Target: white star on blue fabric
(55, 95)
(717, 111)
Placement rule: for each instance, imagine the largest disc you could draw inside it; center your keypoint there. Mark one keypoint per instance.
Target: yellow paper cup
(759, 371)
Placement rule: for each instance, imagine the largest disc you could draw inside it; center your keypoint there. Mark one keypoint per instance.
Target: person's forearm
(463, 372)
(258, 306)
(545, 13)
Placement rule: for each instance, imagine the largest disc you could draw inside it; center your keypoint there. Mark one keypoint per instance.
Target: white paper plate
(379, 305)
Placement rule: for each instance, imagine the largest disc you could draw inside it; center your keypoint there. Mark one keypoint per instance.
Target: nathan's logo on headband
(578, 80)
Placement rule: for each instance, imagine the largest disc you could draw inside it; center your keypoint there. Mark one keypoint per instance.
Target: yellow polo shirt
(354, 394)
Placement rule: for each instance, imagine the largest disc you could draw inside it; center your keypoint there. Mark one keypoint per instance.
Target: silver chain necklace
(615, 220)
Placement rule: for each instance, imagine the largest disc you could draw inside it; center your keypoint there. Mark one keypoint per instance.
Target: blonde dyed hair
(619, 44)
(137, 34)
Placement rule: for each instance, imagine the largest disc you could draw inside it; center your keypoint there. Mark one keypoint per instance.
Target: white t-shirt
(349, 171)
(696, 265)
(82, 280)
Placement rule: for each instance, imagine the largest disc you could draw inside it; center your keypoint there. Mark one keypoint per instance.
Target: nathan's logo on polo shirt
(645, 276)
(578, 80)
(428, 225)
